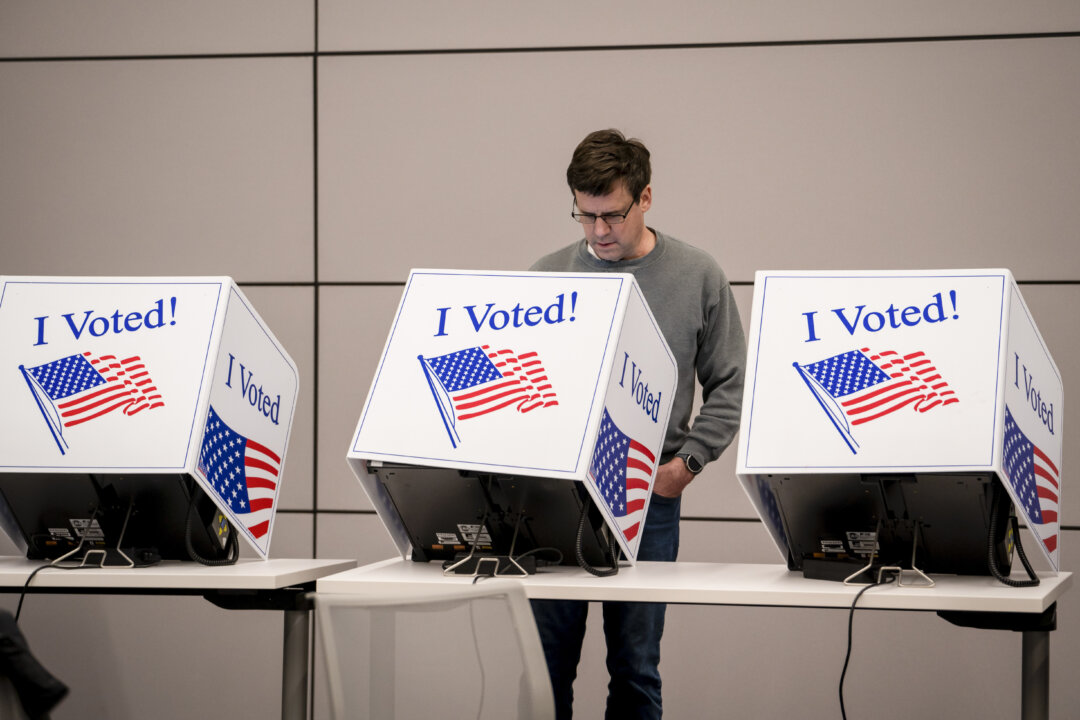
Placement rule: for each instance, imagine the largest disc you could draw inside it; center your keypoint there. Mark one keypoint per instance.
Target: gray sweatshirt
(691, 300)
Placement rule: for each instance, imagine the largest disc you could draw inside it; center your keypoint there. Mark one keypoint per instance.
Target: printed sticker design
(622, 470)
(858, 386)
(476, 381)
(1034, 478)
(243, 473)
(83, 387)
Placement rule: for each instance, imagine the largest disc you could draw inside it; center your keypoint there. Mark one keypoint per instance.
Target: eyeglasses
(609, 218)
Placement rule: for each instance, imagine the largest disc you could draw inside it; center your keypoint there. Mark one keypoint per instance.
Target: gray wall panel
(354, 535)
(412, 24)
(354, 323)
(67, 28)
(156, 656)
(289, 312)
(294, 535)
(786, 663)
(825, 157)
(459, 176)
(185, 167)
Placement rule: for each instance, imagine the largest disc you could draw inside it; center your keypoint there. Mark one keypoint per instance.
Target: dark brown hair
(604, 158)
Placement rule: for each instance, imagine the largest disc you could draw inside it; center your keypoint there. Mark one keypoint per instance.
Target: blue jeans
(632, 630)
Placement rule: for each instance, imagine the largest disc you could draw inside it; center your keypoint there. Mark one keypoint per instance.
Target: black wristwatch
(692, 463)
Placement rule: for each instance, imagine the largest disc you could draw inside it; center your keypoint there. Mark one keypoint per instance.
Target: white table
(279, 584)
(965, 600)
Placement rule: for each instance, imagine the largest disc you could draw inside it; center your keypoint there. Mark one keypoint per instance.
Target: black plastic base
(838, 569)
(1017, 622)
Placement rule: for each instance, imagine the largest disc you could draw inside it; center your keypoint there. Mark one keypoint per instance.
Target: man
(691, 300)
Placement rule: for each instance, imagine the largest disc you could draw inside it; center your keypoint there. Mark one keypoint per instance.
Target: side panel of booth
(768, 509)
(245, 429)
(1031, 449)
(630, 437)
(384, 506)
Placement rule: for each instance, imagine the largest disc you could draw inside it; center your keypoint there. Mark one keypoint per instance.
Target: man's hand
(672, 478)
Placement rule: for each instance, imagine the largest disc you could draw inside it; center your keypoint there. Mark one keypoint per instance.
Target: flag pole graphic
(56, 432)
(844, 433)
(447, 423)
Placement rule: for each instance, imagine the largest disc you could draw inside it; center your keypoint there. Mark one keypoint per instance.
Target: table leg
(1035, 676)
(1034, 658)
(382, 658)
(294, 667)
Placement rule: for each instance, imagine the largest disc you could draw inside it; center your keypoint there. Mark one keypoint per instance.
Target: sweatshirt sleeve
(721, 365)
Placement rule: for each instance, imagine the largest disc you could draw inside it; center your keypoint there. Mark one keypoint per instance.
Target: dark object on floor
(38, 691)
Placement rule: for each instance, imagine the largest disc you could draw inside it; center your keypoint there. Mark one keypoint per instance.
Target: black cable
(555, 553)
(232, 545)
(26, 585)
(1022, 555)
(998, 510)
(851, 623)
(612, 548)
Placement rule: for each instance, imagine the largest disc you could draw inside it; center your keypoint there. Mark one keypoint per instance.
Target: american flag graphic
(622, 470)
(82, 387)
(858, 386)
(242, 472)
(476, 381)
(1034, 479)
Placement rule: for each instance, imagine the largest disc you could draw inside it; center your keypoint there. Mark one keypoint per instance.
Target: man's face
(627, 240)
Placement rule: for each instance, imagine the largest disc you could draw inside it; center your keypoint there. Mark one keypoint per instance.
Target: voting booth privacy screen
(143, 395)
(538, 392)
(906, 403)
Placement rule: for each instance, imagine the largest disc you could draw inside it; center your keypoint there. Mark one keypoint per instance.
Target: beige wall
(318, 150)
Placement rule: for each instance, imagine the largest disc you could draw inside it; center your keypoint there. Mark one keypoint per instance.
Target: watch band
(691, 462)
